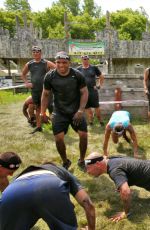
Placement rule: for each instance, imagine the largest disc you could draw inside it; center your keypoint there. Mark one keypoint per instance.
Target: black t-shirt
(66, 90)
(72, 182)
(133, 171)
(90, 74)
(38, 71)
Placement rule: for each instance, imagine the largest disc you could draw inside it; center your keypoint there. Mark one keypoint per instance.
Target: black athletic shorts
(61, 122)
(93, 99)
(36, 97)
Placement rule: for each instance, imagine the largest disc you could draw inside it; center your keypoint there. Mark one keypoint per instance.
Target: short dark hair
(119, 128)
(10, 160)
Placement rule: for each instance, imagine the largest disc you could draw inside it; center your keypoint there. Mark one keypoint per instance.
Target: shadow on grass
(104, 194)
(128, 151)
(99, 188)
(140, 207)
(70, 137)
(96, 129)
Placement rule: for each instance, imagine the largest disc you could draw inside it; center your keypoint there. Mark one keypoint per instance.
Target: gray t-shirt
(71, 181)
(133, 171)
(38, 71)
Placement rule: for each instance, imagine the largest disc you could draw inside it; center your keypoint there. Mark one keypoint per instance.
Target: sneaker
(81, 165)
(38, 129)
(67, 164)
(101, 123)
(33, 124)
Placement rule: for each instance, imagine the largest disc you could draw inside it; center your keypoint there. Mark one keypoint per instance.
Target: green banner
(89, 48)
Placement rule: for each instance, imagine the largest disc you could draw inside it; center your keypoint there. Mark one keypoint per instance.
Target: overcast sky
(110, 5)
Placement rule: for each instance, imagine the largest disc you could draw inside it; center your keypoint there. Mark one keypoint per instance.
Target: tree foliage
(129, 24)
(48, 19)
(81, 27)
(8, 20)
(13, 5)
(91, 8)
(83, 22)
(70, 5)
(58, 32)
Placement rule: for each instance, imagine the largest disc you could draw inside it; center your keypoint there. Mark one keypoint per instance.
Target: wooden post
(118, 97)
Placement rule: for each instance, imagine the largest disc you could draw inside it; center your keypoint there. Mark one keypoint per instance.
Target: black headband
(9, 165)
(93, 161)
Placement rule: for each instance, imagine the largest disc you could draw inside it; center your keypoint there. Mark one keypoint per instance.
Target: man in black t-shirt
(125, 172)
(43, 192)
(70, 98)
(91, 73)
(37, 67)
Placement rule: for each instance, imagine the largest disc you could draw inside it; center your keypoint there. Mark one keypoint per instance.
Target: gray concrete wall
(123, 66)
(132, 95)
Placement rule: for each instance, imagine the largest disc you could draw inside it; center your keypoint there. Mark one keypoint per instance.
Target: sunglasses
(92, 161)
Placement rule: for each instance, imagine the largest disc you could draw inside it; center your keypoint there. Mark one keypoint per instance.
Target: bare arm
(134, 139)
(26, 105)
(101, 80)
(3, 183)
(106, 139)
(84, 200)
(24, 110)
(83, 101)
(44, 100)
(125, 195)
(24, 76)
(51, 65)
(84, 98)
(146, 73)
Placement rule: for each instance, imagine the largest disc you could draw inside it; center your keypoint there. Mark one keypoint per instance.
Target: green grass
(7, 97)
(40, 147)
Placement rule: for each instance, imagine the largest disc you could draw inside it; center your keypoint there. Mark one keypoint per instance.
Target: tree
(70, 5)
(89, 7)
(48, 19)
(82, 26)
(8, 20)
(57, 32)
(129, 24)
(13, 5)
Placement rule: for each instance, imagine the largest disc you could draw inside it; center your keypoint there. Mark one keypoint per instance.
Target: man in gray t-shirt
(37, 67)
(125, 172)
